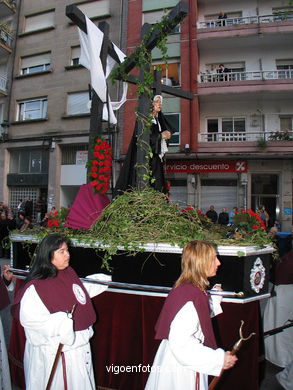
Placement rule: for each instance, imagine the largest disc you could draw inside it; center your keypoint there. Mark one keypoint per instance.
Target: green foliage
(145, 216)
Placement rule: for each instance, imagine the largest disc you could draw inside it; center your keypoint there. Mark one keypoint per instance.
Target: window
(286, 123)
(283, 13)
(155, 17)
(29, 161)
(75, 55)
(174, 120)
(226, 129)
(69, 153)
(32, 109)
(94, 9)
(36, 63)
(285, 69)
(39, 21)
(170, 72)
(78, 103)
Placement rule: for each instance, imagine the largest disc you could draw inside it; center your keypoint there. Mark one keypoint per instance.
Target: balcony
(5, 41)
(283, 74)
(268, 136)
(7, 8)
(245, 26)
(280, 17)
(3, 85)
(269, 143)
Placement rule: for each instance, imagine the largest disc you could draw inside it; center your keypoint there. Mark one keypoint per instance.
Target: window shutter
(37, 22)
(95, 8)
(36, 60)
(77, 103)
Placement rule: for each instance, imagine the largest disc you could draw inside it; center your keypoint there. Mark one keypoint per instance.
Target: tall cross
(175, 16)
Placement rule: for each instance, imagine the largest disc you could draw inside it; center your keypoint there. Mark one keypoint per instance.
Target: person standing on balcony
(222, 16)
(222, 71)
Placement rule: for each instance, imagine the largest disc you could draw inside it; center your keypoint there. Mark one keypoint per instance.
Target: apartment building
(234, 143)
(8, 24)
(46, 126)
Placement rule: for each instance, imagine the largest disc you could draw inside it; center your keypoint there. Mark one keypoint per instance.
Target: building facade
(234, 143)
(44, 150)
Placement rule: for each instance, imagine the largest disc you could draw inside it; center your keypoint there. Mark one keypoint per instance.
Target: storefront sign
(200, 166)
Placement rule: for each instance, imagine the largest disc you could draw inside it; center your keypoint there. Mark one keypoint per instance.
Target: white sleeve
(215, 305)
(36, 318)
(94, 288)
(186, 343)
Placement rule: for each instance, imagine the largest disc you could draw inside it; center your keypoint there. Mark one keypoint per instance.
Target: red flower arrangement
(248, 219)
(101, 166)
(53, 220)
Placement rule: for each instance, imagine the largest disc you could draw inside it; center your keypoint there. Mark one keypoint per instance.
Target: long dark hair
(42, 267)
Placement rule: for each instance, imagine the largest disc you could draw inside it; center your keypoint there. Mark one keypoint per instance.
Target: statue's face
(157, 104)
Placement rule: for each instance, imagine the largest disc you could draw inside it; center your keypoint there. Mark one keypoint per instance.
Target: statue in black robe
(161, 130)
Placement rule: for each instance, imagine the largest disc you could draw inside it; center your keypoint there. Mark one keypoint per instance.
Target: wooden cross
(175, 16)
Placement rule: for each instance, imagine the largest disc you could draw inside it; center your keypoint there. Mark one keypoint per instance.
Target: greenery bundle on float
(139, 217)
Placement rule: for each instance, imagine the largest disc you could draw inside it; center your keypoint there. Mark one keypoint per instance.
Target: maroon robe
(176, 299)
(4, 297)
(61, 293)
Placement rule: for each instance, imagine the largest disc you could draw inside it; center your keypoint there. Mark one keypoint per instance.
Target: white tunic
(183, 354)
(44, 331)
(278, 310)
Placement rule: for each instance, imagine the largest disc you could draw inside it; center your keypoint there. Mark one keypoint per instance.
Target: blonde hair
(197, 258)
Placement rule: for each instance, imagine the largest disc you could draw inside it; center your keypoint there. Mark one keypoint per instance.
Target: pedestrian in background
(223, 217)
(212, 214)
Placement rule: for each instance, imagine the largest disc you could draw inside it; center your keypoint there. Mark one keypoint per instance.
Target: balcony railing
(242, 136)
(5, 37)
(246, 20)
(242, 76)
(3, 83)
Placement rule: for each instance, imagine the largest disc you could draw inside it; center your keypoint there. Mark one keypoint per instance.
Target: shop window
(264, 184)
(32, 109)
(78, 103)
(36, 63)
(170, 72)
(29, 161)
(39, 21)
(174, 120)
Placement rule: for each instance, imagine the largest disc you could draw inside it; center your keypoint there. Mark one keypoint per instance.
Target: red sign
(200, 166)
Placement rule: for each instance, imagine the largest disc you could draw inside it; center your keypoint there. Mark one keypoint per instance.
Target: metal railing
(280, 17)
(282, 74)
(5, 37)
(243, 136)
(3, 83)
